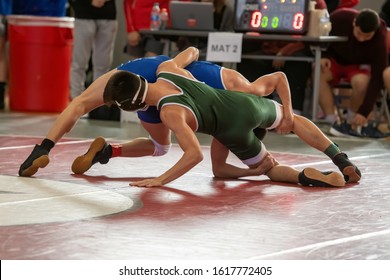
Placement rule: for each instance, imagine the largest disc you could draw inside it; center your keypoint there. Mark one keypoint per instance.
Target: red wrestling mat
(58, 215)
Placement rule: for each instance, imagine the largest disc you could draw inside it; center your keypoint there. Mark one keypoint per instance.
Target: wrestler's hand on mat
(147, 183)
(37, 159)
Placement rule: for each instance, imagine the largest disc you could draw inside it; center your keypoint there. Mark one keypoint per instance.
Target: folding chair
(381, 109)
(341, 100)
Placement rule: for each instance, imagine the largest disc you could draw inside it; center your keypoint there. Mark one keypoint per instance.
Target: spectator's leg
(103, 47)
(84, 33)
(326, 98)
(359, 84)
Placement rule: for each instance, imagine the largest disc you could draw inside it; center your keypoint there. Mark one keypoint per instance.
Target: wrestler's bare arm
(90, 99)
(177, 64)
(176, 118)
(264, 86)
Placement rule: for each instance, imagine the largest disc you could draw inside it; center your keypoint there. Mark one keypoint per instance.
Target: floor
(59, 215)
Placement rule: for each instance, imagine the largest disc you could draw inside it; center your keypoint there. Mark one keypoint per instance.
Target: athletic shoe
(351, 173)
(343, 129)
(371, 131)
(99, 151)
(260, 133)
(313, 177)
(37, 159)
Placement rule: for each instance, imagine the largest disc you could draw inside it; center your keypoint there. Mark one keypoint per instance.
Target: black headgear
(126, 90)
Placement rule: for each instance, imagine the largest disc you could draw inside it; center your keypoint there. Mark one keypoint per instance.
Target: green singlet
(228, 116)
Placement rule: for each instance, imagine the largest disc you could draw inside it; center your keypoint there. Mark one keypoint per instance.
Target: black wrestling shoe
(99, 151)
(37, 159)
(313, 177)
(260, 133)
(351, 173)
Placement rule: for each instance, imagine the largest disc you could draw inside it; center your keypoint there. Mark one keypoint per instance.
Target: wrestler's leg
(100, 151)
(221, 168)
(143, 146)
(269, 166)
(313, 136)
(307, 177)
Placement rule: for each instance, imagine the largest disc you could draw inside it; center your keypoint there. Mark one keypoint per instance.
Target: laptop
(192, 15)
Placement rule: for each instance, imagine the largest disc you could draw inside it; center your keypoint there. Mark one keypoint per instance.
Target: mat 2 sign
(224, 47)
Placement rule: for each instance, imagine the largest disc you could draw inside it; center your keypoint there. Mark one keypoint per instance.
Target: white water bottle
(155, 17)
(319, 24)
(164, 18)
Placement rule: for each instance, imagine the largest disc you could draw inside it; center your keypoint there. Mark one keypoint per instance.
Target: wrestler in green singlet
(227, 115)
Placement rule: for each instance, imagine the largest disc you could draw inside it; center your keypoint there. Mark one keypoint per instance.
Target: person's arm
(180, 61)
(278, 81)
(174, 117)
(90, 99)
(378, 65)
(286, 50)
(133, 36)
(128, 10)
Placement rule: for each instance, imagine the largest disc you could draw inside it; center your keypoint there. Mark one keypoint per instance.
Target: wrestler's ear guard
(126, 90)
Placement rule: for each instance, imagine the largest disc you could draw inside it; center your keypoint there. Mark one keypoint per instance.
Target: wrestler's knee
(159, 149)
(266, 164)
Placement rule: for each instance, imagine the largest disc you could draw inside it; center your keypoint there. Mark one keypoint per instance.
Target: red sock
(116, 150)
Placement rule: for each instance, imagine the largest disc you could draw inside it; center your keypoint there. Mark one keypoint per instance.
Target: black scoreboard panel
(272, 16)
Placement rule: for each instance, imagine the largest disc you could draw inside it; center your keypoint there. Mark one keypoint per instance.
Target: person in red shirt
(360, 61)
(348, 3)
(137, 14)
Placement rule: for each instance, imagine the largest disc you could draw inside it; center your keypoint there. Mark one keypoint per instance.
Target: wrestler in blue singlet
(204, 71)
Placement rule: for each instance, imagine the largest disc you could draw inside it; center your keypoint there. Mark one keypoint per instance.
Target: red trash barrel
(40, 53)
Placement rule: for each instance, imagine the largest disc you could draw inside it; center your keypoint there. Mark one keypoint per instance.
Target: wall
(372, 4)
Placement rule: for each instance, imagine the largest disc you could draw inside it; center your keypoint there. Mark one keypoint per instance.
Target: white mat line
(52, 197)
(58, 144)
(351, 158)
(320, 245)
(207, 146)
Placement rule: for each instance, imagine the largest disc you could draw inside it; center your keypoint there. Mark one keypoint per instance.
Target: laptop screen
(191, 15)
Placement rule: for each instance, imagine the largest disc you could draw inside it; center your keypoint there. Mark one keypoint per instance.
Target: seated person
(349, 60)
(297, 72)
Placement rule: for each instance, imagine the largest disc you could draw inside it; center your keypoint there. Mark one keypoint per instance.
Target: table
(317, 44)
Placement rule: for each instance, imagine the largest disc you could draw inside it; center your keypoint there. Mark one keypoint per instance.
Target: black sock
(106, 154)
(47, 144)
(332, 150)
